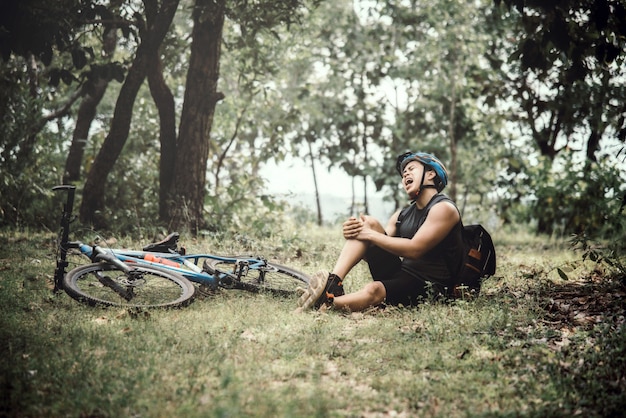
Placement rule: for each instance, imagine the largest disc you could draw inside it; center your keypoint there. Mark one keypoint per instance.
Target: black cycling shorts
(401, 287)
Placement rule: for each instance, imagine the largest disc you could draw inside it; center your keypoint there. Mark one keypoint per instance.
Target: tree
(339, 120)
(158, 20)
(92, 94)
(48, 63)
(404, 76)
(565, 84)
(164, 100)
(570, 72)
(20, 51)
(251, 21)
(188, 191)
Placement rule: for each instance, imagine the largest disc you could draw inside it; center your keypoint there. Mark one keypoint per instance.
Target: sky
(294, 182)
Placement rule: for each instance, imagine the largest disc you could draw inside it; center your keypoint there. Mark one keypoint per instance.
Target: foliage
(233, 211)
(26, 199)
(64, 29)
(26, 175)
(402, 77)
(611, 253)
(19, 111)
(566, 72)
(564, 197)
(584, 33)
(38, 27)
(358, 81)
(570, 200)
(257, 121)
(564, 88)
(44, 43)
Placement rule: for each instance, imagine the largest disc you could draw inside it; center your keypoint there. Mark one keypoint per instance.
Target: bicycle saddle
(168, 243)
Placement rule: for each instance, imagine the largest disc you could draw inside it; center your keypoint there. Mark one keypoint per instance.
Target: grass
(530, 345)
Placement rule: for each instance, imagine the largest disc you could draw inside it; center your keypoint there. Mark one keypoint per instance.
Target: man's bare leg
(324, 285)
(372, 294)
(353, 251)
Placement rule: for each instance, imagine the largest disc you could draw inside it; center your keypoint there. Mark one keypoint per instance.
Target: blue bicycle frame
(186, 265)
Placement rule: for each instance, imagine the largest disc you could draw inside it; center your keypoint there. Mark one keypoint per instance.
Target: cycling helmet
(430, 161)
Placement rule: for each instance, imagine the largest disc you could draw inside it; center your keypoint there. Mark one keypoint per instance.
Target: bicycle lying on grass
(160, 275)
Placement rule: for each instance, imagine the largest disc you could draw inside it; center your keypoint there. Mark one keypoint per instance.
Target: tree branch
(63, 110)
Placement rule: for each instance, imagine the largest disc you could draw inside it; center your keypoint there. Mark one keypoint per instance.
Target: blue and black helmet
(430, 161)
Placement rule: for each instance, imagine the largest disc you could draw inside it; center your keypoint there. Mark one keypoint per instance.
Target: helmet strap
(421, 183)
(424, 186)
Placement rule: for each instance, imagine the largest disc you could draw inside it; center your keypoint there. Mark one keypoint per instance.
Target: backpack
(479, 260)
(479, 255)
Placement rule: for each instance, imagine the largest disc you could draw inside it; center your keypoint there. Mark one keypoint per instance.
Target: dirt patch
(585, 302)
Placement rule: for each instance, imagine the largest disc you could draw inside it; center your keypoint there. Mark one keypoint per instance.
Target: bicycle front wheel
(144, 287)
(269, 277)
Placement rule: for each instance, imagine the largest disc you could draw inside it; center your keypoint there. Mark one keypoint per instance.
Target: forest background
(164, 113)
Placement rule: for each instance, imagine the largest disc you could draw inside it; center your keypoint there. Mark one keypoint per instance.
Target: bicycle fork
(97, 253)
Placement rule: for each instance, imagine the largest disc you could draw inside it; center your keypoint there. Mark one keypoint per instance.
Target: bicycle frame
(186, 265)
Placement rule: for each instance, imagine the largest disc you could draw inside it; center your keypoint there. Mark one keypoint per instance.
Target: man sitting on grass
(418, 253)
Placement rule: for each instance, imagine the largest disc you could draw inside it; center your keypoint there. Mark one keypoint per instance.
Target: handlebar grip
(64, 187)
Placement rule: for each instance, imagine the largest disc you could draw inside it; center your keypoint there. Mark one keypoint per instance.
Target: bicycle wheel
(145, 286)
(269, 277)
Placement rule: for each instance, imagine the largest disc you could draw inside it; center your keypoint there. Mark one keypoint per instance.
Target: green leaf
(79, 58)
(67, 77)
(118, 73)
(55, 77)
(562, 274)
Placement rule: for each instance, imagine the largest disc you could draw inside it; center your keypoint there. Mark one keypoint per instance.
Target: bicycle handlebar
(63, 187)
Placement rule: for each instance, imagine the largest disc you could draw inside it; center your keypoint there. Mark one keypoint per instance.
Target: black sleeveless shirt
(442, 263)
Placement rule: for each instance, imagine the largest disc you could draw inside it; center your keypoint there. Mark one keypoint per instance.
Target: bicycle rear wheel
(145, 287)
(270, 277)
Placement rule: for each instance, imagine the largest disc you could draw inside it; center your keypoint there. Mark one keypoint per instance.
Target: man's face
(411, 177)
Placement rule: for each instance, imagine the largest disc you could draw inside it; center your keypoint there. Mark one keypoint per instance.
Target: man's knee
(376, 291)
(373, 223)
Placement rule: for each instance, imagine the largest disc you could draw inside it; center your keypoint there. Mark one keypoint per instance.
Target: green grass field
(531, 345)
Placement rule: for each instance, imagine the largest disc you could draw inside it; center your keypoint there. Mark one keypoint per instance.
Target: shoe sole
(317, 286)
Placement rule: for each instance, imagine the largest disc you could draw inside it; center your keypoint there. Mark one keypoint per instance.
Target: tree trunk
(158, 23)
(87, 113)
(320, 219)
(353, 211)
(84, 118)
(366, 205)
(596, 123)
(453, 144)
(27, 144)
(164, 100)
(93, 193)
(201, 97)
